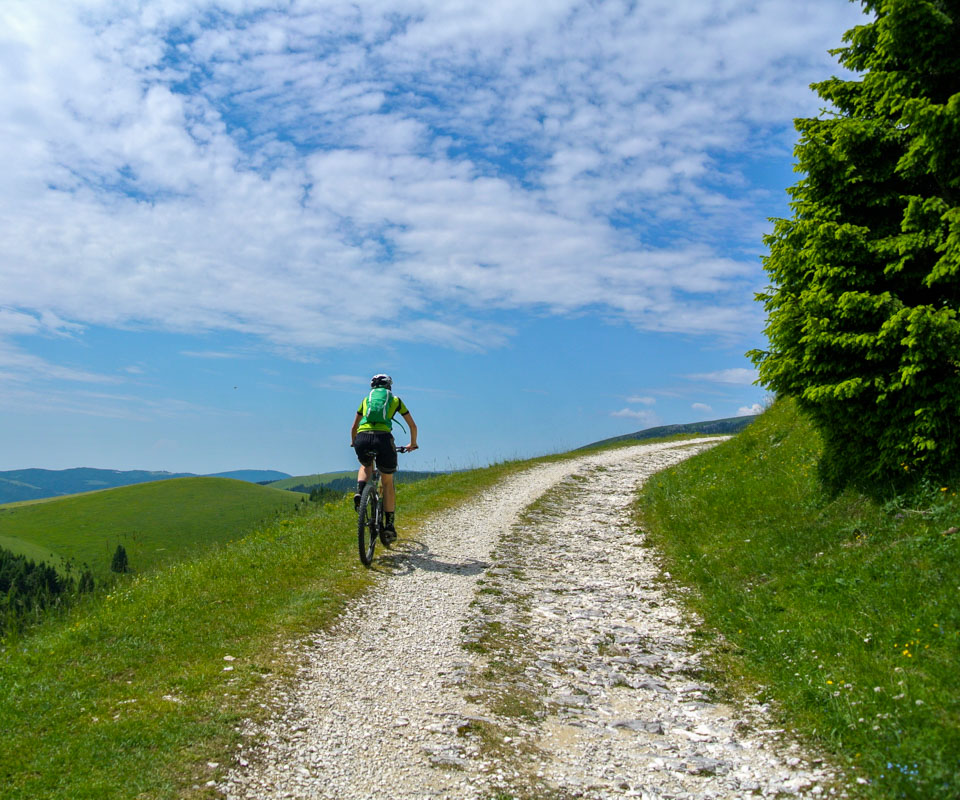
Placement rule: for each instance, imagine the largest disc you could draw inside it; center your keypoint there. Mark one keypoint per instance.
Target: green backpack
(378, 407)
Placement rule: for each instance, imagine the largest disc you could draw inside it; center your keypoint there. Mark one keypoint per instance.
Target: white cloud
(643, 400)
(702, 407)
(745, 411)
(644, 416)
(285, 175)
(738, 376)
(20, 366)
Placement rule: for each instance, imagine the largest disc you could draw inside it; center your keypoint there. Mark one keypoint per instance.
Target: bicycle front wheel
(367, 524)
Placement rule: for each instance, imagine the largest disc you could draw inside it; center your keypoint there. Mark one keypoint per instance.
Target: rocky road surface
(518, 650)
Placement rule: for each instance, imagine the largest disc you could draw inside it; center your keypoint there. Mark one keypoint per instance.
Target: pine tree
(864, 307)
(120, 563)
(86, 583)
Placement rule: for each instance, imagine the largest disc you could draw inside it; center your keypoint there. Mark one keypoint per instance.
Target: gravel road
(507, 654)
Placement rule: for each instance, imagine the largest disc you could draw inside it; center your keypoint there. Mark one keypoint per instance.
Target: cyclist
(371, 434)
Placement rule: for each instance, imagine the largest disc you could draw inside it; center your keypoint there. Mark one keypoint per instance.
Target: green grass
(157, 523)
(311, 480)
(30, 550)
(845, 610)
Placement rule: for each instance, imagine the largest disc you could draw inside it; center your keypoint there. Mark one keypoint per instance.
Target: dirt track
(589, 689)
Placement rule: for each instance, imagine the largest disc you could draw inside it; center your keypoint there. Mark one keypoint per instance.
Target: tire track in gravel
(389, 703)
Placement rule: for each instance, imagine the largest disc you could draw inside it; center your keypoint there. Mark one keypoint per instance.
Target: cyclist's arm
(353, 430)
(413, 431)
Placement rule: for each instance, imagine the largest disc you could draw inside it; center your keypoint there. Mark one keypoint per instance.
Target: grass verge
(844, 610)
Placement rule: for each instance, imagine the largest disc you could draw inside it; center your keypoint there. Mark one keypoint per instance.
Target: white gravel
(379, 707)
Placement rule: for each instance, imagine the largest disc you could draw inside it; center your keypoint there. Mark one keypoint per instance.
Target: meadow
(158, 523)
(843, 610)
(312, 480)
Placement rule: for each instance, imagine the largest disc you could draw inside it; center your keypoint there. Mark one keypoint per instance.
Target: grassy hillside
(345, 480)
(157, 523)
(34, 484)
(30, 550)
(712, 427)
(846, 611)
(312, 480)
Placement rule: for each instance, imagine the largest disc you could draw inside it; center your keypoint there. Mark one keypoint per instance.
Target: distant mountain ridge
(712, 426)
(37, 484)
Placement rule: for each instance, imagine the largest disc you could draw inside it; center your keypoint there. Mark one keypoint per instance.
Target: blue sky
(218, 219)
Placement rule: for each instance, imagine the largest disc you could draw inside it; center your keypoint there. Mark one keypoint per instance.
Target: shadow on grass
(408, 556)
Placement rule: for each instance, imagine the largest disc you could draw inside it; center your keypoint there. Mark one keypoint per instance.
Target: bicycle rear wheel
(367, 523)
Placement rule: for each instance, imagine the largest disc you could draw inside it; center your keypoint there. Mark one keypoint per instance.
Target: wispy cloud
(737, 376)
(643, 400)
(21, 366)
(238, 167)
(702, 407)
(644, 416)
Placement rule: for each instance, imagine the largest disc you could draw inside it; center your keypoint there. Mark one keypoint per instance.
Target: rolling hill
(157, 523)
(36, 484)
(312, 480)
(712, 426)
(345, 480)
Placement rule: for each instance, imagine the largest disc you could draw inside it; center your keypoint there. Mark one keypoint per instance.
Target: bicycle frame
(370, 516)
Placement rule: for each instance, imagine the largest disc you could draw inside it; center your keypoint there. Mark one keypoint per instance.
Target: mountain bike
(370, 517)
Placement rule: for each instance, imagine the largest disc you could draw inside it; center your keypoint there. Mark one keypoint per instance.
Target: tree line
(29, 588)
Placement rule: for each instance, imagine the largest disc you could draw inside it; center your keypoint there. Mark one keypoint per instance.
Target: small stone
(703, 766)
(647, 726)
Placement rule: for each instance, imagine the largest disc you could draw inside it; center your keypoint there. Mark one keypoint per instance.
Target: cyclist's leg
(387, 464)
(362, 447)
(365, 472)
(389, 492)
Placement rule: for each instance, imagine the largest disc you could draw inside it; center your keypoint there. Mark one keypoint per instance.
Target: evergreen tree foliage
(324, 494)
(86, 583)
(28, 589)
(120, 563)
(865, 278)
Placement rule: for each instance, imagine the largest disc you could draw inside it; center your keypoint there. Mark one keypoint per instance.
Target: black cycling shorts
(379, 445)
